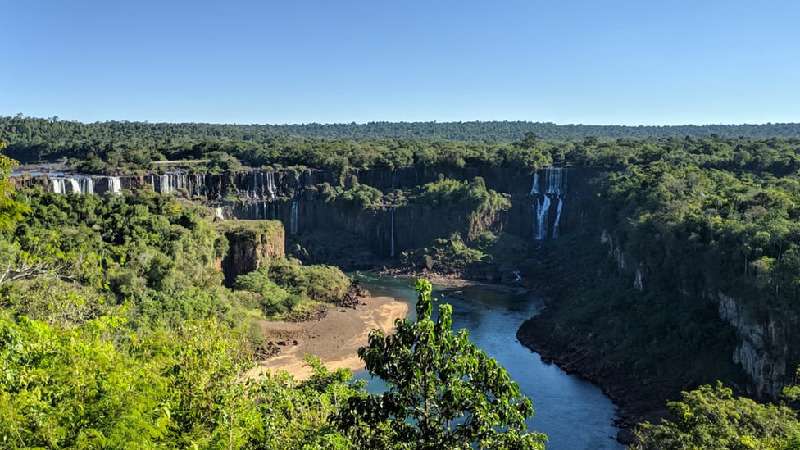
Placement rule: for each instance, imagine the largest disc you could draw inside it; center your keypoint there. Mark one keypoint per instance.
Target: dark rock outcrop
(251, 244)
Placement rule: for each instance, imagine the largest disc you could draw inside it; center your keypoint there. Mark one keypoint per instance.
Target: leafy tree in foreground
(712, 418)
(10, 209)
(444, 392)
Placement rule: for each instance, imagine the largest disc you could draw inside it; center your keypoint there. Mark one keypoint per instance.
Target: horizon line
(432, 121)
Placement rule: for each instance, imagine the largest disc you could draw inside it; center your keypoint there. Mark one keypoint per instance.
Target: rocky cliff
(552, 203)
(251, 244)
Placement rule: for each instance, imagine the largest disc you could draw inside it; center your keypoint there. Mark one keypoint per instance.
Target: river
(574, 413)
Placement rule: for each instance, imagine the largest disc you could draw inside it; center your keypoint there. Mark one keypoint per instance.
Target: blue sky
(296, 61)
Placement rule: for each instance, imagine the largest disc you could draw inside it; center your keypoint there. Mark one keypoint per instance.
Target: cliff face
(551, 204)
(763, 347)
(251, 244)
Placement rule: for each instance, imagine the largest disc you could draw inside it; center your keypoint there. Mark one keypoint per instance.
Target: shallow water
(574, 413)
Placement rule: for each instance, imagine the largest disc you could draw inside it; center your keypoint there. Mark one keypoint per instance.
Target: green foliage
(712, 418)
(285, 284)
(221, 162)
(273, 299)
(443, 391)
(10, 209)
(96, 387)
(483, 204)
(361, 196)
(150, 252)
(451, 256)
(318, 282)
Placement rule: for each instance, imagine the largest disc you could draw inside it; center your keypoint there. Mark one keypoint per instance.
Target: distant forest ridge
(491, 131)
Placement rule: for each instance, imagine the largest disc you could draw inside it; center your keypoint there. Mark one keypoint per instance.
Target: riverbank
(491, 314)
(334, 338)
(636, 400)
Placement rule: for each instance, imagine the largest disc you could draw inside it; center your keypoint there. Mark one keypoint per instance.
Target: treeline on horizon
(20, 128)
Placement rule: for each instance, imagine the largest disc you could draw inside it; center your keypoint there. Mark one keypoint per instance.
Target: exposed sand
(335, 338)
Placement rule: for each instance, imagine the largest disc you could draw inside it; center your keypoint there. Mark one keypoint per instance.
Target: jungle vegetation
(116, 331)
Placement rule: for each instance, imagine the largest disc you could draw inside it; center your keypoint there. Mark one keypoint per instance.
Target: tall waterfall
(554, 183)
(558, 216)
(542, 209)
(71, 185)
(271, 188)
(172, 182)
(57, 185)
(535, 185)
(86, 185)
(114, 185)
(164, 184)
(261, 185)
(294, 219)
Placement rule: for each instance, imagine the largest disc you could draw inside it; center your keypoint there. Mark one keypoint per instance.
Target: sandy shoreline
(335, 338)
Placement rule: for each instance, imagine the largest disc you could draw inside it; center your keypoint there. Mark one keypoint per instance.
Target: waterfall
(74, 186)
(554, 185)
(70, 185)
(86, 185)
(535, 185)
(391, 237)
(542, 213)
(294, 219)
(58, 186)
(558, 216)
(163, 184)
(219, 213)
(554, 180)
(271, 189)
(114, 185)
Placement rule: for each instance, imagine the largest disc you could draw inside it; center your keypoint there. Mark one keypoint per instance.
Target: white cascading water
(535, 185)
(57, 185)
(114, 185)
(542, 213)
(271, 188)
(87, 185)
(219, 213)
(74, 186)
(164, 186)
(294, 219)
(554, 187)
(558, 216)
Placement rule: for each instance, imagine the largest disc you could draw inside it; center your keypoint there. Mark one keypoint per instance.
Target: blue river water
(574, 413)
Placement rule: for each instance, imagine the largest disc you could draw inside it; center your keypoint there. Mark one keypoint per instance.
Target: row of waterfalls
(548, 189)
(252, 185)
(83, 184)
(253, 194)
(261, 194)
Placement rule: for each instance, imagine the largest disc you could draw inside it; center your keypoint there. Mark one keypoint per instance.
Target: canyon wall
(551, 203)
(251, 245)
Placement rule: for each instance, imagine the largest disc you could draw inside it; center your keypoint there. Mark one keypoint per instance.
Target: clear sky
(297, 61)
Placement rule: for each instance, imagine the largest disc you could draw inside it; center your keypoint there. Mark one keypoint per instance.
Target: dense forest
(116, 331)
(115, 301)
(136, 144)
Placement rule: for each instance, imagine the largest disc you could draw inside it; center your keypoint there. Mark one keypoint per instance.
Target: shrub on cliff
(481, 203)
(286, 283)
(447, 255)
(712, 418)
